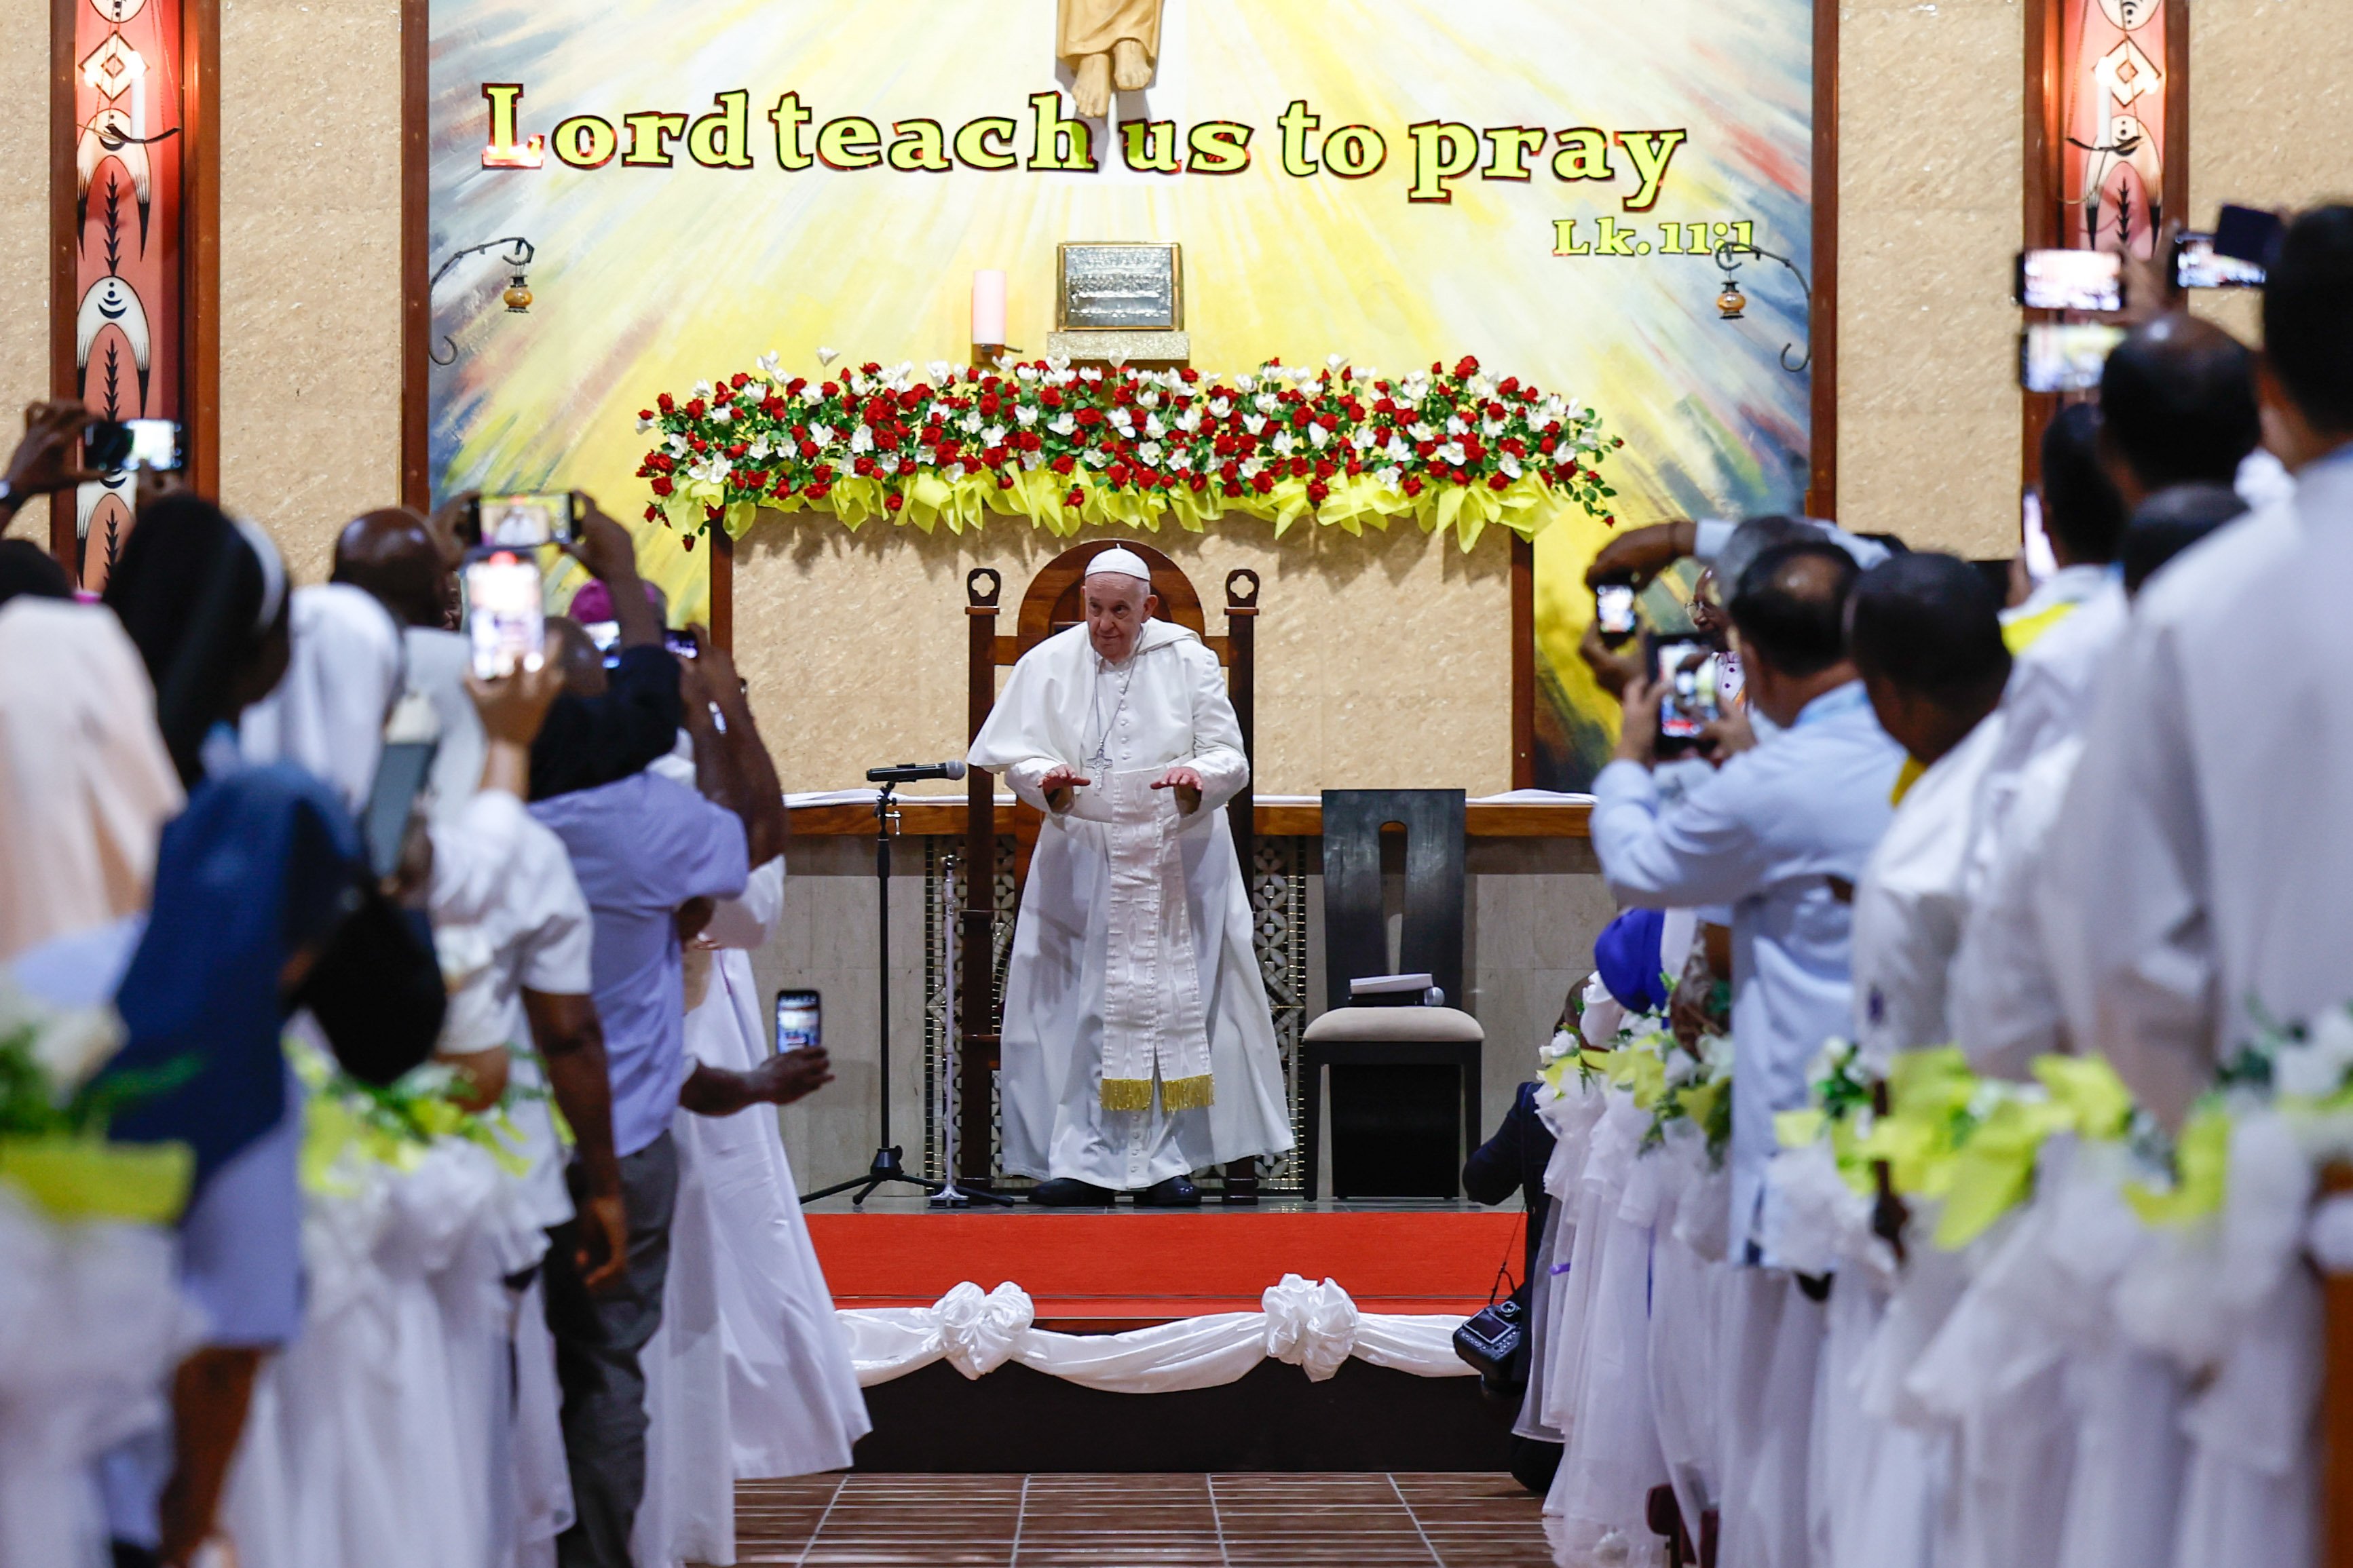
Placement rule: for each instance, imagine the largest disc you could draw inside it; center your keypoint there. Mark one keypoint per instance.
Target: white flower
(826, 356)
(701, 389)
(1420, 432)
(1219, 407)
(1182, 461)
(1150, 452)
(721, 415)
(2316, 1069)
(1062, 424)
(1267, 402)
(1026, 415)
(1318, 435)
(1490, 428)
(970, 423)
(1285, 443)
(1562, 1044)
(1483, 387)
(992, 435)
(1091, 374)
(1059, 364)
(821, 433)
(812, 393)
(1124, 420)
(1389, 477)
(1510, 466)
(939, 369)
(861, 440)
(1335, 360)
(760, 449)
(678, 444)
(1148, 400)
(1254, 423)
(938, 413)
(1097, 458)
(1362, 437)
(1246, 383)
(1189, 421)
(1452, 453)
(1454, 425)
(1027, 373)
(1153, 427)
(770, 366)
(714, 468)
(1033, 461)
(644, 426)
(1396, 450)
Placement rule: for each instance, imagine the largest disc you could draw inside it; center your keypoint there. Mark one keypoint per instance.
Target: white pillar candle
(989, 308)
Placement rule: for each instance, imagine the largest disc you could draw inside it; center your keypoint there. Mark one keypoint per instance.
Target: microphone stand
(886, 1166)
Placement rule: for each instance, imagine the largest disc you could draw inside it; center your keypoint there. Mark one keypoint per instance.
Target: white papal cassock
(1137, 1040)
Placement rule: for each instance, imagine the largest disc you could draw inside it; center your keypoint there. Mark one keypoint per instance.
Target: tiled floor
(1140, 1521)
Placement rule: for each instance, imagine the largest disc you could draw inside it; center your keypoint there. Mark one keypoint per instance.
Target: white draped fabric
(1312, 1327)
(91, 1322)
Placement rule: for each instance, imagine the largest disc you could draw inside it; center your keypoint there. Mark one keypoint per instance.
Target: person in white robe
(1138, 1045)
(1926, 635)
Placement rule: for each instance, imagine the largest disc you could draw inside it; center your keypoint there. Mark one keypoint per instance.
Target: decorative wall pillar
(134, 224)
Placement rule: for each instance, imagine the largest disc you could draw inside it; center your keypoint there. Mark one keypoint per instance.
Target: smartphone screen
(2071, 280)
(155, 445)
(1690, 702)
(678, 643)
(400, 775)
(1613, 610)
(504, 623)
(2065, 356)
(524, 521)
(106, 446)
(2198, 265)
(797, 1017)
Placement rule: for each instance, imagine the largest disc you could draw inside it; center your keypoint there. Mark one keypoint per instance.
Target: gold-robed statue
(1109, 43)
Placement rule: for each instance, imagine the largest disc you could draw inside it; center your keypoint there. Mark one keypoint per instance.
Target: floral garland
(56, 1103)
(1672, 1082)
(1067, 447)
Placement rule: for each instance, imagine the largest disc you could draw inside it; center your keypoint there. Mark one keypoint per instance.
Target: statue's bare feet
(1131, 67)
(1092, 88)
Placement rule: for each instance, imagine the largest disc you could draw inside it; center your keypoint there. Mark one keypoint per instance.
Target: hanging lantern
(518, 295)
(1732, 301)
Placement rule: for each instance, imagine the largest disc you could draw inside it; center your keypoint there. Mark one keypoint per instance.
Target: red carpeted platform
(1129, 1267)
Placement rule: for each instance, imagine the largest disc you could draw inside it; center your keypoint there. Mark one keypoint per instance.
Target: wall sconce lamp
(1730, 301)
(517, 296)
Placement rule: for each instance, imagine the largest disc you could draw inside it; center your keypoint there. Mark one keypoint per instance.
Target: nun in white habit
(1138, 1044)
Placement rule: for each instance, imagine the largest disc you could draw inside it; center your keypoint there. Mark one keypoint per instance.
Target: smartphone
(504, 623)
(1689, 701)
(400, 775)
(106, 446)
(2198, 265)
(2247, 233)
(2065, 356)
(797, 1020)
(523, 522)
(678, 642)
(2071, 280)
(1613, 611)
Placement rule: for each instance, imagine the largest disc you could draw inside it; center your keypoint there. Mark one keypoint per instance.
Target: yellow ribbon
(2023, 633)
(90, 1179)
(2201, 1156)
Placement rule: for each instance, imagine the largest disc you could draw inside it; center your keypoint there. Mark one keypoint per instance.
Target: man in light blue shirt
(1780, 833)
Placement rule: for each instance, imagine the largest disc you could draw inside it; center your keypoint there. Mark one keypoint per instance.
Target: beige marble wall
(1383, 662)
(25, 223)
(1930, 163)
(311, 291)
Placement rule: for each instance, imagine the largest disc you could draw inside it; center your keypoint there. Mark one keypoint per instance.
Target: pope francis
(1138, 1045)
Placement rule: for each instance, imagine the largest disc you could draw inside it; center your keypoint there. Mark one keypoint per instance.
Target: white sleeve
(1217, 754)
(745, 923)
(475, 850)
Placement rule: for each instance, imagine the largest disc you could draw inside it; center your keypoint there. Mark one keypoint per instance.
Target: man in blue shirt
(1780, 833)
(652, 857)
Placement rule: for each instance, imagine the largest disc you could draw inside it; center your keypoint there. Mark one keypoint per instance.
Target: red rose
(1063, 464)
(753, 481)
(1412, 486)
(695, 410)
(822, 473)
(830, 390)
(664, 403)
(1466, 366)
(906, 464)
(1298, 468)
(662, 487)
(1323, 471)
(912, 398)
(1076, 498)
(723, 396)
(736, 453)
(700, 445)
(994, 457)
(1090, 416)
(809, 451)
(1004, 482)
(1031, 440)
(1116, 473)
(738, 380)
(1189, 376)
(1230, 488)
(819, 491)
(988, 403)
(1263, 483)
(1498, 482)
(1354, 468)
(893, 502)
(1198, 482)
(687, 543)
(654, 514)
(1049, 398)
(646, 414)
(1318, 491)
(794, 387)
(863, 468)
(1424, 449)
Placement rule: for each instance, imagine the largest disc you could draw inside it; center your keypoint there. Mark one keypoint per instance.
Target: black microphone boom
(908, 772)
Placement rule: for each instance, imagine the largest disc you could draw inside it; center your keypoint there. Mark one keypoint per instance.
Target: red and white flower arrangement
(1454, 448)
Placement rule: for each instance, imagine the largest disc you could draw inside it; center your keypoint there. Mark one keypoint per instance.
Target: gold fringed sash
(1175, 1094)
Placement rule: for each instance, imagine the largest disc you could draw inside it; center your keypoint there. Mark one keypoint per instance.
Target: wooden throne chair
(1053, 603)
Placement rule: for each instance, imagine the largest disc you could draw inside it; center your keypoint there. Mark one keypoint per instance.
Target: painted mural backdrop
(1537, 183)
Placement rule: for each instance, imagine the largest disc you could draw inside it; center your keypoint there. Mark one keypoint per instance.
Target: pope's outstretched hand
(1186, 783)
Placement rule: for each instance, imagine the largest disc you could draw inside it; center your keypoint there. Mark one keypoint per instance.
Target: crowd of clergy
(385, 1197)
(1934, 1171)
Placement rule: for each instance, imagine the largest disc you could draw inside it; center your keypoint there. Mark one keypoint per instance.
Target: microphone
(908, 772)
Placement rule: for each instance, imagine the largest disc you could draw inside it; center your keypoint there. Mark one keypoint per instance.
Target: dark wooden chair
(1355, 946)
(1055, 602)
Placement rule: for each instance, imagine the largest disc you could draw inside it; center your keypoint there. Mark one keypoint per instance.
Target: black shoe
(1070, 1193)
(1176, 1193)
